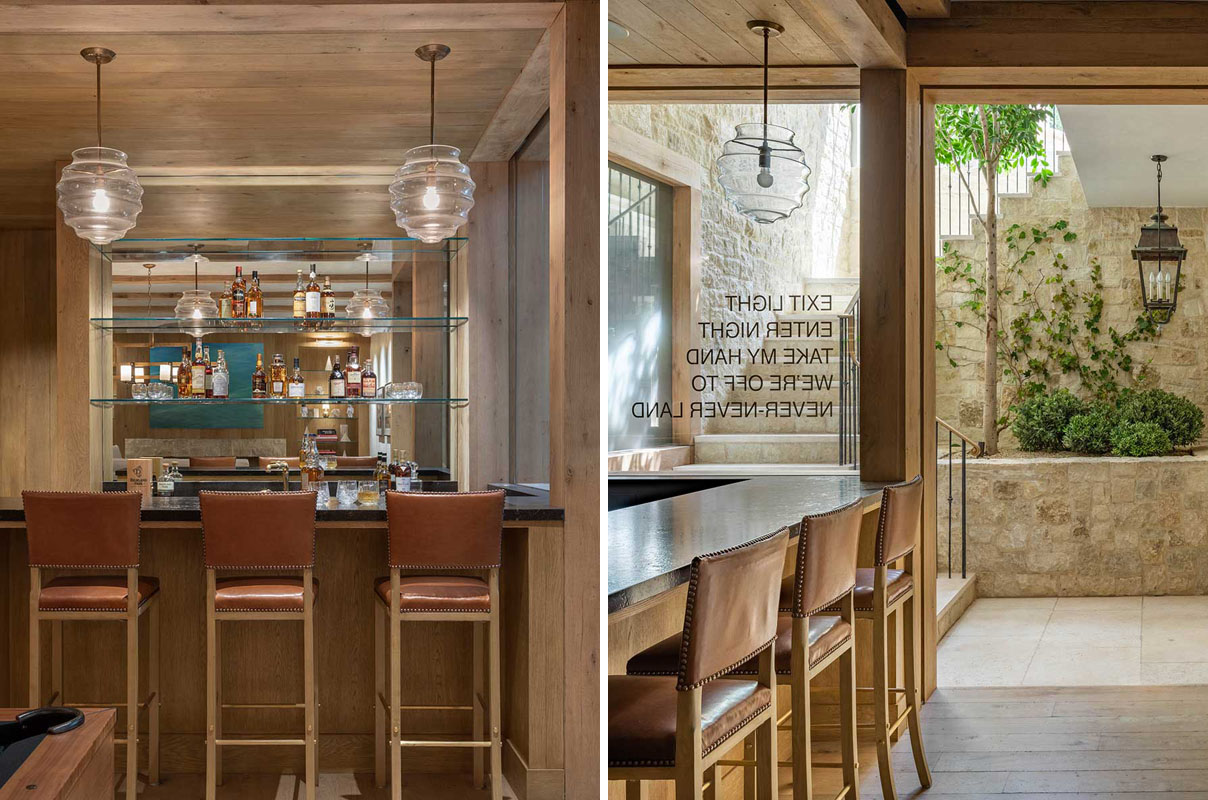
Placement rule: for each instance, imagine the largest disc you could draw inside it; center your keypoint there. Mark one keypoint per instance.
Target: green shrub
(1040, 421)
(1091, 432)
(1140, 439)
(1182, 419)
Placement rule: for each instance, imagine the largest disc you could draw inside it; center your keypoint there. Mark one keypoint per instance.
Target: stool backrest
(213, 462)
(258, 530)
(731, 614)
(354, 462)
(82, 529)
(826, 558)
(444, 530)
(898, 525)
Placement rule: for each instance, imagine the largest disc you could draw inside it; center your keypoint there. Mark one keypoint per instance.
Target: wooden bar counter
(262, 661)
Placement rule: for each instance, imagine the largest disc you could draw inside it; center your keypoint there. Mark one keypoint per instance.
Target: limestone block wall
(740, 256)
(1081, 526)
(1108, 235)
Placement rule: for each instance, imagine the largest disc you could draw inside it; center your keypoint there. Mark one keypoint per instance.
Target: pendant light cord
(431, 106)
(765, 84)
(98, 104)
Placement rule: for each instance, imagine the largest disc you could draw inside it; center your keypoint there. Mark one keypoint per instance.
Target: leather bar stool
(211, 462)
(437, 538)
(675, 728)
(93, 531)
(807, 642)
(881, 592)
(260, 534)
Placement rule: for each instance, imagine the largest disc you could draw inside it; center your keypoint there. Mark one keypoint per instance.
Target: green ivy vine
(1052, 325)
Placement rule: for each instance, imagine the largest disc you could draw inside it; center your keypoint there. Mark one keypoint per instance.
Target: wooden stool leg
(153, 689)
(847, 707)
(688, 769)
(767, 783)
(750, 751)
(635, 790)
(211, 690)
(479, 728)
(803, 780)
(35, 642)
(710, 787)
(379, 684)
(56, 662)
(396, 691)
(496, 689)
(132, 685)
(308, 684)
(911, 633)
(880, 680)
(218, 772)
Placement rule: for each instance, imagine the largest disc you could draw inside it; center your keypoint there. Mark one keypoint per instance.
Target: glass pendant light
(367, 303)
(196, 304)
(762, 171)
(432, 191)
(99, 194)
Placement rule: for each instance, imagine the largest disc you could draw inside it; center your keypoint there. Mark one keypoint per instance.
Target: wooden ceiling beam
(865, 31)
(923, 9)
(730, 84)
(521, 109)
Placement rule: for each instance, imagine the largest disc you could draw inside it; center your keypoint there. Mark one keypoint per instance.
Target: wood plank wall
(530, 321)
(27, 359)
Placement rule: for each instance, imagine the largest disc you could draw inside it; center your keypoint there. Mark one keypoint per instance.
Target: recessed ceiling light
(617, 32)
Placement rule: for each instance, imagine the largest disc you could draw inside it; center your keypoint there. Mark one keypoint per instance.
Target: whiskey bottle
(314, 297)
(259, 381)
(199, 371)
(329, 302)
(297, 384)
(255, 297)
(335, 382)
(276, 377)
(222, 377)
(368, 380)
(239, 295)
(209, 374)
(352, 375)
(225, 306)
(311, 465)
(400, 472)
(184, 375)
(300, 298)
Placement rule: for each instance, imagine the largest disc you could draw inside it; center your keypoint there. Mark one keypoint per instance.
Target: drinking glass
(324, 494)
(346, 493)
(367, 493)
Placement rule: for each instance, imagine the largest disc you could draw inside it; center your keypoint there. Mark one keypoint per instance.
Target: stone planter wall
(1073, 527)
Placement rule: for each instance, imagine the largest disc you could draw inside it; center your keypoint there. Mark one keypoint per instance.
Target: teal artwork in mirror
(241, 361)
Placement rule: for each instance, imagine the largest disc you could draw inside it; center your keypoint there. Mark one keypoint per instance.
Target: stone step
(746, 470)
(767, 448)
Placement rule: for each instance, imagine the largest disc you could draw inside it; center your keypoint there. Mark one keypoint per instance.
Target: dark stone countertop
(651, 546)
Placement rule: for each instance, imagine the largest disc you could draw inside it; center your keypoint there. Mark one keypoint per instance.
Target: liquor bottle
(400, 472)
(297, 384)
(222, 377)
(335, 382)
(352, 375)
(239, 295)
(368, 380)
(255, 297)
(225, 307)
(381, 473)
(329, 302)
(276, 376)
(199, 371)
(300, 298)
(259, 381)
(209, 374)
(311, 464)
(314, 297)
(184, 374)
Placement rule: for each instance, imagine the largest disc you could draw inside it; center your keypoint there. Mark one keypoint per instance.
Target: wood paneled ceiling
(201, 91)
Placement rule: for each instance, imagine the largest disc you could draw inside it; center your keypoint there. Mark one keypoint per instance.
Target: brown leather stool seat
(92, 593)
(437, 593)
(260, 593)
(826, 633)
(642, 716)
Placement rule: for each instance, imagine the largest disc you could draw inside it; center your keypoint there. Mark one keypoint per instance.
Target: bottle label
(337, 388)
(299, 306)
(278, 388)
(222, 384)
(369, 387)
(354, 376)
(164, 487)
(329, 305)
(225, 310)
(253, 309)
(297, 390)
(312, 302)
(199, 379)
(402, 484)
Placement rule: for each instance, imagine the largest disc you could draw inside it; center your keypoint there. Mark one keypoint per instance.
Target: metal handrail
(849, 384)
(966, 444)
(975, 448)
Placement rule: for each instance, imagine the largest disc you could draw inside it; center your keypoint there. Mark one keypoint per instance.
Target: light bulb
(197, 313)
(100, 201)
(366, 314)
(431, 200)
(764, 178)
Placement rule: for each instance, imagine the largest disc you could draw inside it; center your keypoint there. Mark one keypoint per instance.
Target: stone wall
(739, 256)
(1105, 234)
(1081, 526)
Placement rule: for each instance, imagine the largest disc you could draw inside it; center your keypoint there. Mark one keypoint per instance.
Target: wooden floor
(334, 786)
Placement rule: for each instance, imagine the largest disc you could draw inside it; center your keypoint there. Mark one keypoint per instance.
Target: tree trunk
(990, 400)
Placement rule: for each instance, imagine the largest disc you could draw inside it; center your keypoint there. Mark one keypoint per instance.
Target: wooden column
(488, 418)
(574, 282)
(927, 401)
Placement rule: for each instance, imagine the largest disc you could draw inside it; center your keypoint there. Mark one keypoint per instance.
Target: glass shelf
(275, 325)
(454, 402)
(318, 249)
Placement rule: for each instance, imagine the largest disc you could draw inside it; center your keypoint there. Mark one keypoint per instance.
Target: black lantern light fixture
(1159, 256)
